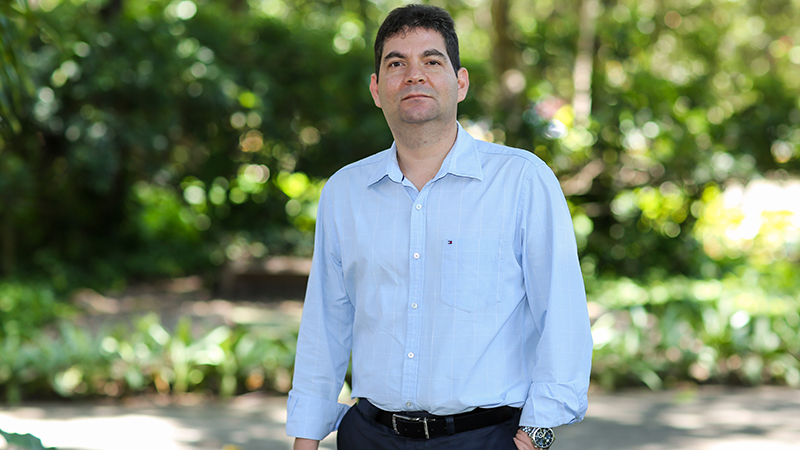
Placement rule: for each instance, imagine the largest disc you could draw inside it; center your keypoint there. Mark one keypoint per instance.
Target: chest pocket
(471, 273)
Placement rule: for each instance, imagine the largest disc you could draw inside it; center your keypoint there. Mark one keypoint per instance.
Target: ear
(373, 89)
(463, 83)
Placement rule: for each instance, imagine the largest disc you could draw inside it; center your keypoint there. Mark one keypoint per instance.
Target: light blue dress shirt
(465, 294)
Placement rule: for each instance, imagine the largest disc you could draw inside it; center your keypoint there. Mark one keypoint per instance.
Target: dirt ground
(706, 418)
(182, 297)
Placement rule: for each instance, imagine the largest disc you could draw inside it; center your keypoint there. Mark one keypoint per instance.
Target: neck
(420, 151)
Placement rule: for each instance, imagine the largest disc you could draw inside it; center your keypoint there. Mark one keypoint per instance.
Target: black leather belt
(422, 425)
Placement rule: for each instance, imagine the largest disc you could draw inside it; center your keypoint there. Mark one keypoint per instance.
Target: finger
(523, 436)
(522, 441)
(523, 445)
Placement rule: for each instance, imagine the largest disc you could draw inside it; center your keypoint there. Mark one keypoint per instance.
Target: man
(448, 266)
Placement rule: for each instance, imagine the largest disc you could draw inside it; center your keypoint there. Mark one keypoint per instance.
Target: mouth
(415, 96)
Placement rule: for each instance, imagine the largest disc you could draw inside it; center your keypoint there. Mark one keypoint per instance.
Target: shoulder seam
(528, 156)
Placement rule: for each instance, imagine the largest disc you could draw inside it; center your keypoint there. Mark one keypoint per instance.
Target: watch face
(543, 437)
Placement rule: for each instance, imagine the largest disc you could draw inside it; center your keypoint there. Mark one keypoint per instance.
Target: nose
(415, 74)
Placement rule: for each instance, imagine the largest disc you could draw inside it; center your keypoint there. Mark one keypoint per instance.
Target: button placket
(416, 282)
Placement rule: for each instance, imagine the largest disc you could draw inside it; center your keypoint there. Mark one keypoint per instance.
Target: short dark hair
(410, 17)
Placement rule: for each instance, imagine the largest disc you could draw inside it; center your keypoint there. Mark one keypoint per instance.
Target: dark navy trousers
(359, 431)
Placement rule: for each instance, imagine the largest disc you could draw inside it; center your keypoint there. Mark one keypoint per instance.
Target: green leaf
(24, 441)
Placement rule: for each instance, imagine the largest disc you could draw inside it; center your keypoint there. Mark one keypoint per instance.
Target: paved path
(710, 418)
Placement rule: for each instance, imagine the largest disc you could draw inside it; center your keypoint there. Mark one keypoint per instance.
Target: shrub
(71, 361)
(666, 331)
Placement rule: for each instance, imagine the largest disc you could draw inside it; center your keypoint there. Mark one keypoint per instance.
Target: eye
(395, 64)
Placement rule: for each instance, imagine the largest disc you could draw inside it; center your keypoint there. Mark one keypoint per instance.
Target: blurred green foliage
(70, 360)
(150, 142)
(23, 441)
(25, 308)
(664, 332)
(147, 138)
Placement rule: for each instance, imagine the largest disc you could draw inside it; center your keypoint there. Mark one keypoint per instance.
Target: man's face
(417, 82)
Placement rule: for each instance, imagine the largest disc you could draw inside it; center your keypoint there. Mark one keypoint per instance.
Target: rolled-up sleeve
(325, 339)
(559, 351)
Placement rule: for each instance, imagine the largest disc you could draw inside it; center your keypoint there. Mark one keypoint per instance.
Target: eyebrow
(426, 53)
(394, 54)
(433, 52)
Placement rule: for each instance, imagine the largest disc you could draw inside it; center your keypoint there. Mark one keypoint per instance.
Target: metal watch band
(541, 437)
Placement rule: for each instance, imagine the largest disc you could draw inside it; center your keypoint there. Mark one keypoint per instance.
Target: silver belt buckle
(424, 421)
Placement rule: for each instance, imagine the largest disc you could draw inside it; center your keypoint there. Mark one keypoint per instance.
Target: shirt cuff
(554, 404)
(312, 418)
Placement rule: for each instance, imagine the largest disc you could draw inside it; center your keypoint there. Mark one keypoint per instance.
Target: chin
(418, 118)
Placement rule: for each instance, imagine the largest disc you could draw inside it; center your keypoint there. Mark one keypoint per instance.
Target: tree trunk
(111, 10)
(582, 77)
(503, 49)
(504, 56)
(6, 246)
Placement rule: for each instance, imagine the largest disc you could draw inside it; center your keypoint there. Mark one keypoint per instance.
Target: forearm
(305, 444)
(559, 349)
(324, 342)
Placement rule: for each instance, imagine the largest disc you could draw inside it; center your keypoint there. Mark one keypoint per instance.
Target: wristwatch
(542, 437)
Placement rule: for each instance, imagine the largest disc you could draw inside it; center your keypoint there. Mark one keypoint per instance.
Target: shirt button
(416, 255)
(408, 404)
(410, 354)
(414, 305)
(418, 207)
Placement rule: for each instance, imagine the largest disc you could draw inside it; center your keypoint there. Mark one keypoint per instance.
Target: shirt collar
(462, 160)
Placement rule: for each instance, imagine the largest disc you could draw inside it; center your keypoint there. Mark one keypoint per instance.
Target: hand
(523, 441)
(306, 444)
